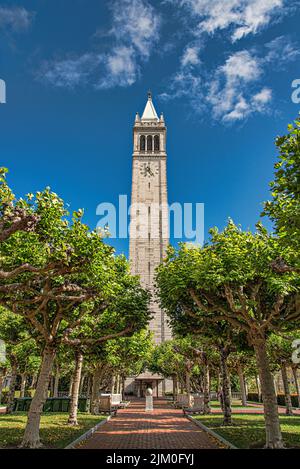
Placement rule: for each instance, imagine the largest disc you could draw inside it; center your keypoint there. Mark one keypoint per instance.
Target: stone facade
(149, 219)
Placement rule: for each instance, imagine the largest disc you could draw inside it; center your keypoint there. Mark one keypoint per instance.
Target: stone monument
(149, 400)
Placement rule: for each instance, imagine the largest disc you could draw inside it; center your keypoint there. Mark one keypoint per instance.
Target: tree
(284, 208)
(185, 360)
(129, 356)
(280, 350)
(239, 361)
(21, 350)
(70, 281)
(78, 354)
(14, 216)
(236, 279)
(166, 361)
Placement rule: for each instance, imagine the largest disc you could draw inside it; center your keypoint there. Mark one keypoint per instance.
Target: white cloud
(282, 50)
(241, 66)
(243, 108)
(256, 15)
(184, 84)
(232, 94)
(118, 68)
(243, 17)
(134, 32)
(135, 22)
(234, 90)
(15, 19)
(262, 98)
(71, 72)
(190, 56)
(121, 68)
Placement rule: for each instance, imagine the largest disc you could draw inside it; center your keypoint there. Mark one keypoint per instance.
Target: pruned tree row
(241, 289)
(62, 291)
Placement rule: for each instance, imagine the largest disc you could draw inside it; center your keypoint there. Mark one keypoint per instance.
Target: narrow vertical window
(156, 143)
(142, 143)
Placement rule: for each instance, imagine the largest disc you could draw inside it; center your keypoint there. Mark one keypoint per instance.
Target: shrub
(253, 397)
(52, 404)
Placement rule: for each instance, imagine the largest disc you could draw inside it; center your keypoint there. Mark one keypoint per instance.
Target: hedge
(52, 404)
(253, 397)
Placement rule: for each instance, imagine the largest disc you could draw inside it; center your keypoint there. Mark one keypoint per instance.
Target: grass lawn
(235, 404)
(249, 430)
(55, 433)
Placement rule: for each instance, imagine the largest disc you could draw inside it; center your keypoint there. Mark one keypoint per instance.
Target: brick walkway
(164, 428)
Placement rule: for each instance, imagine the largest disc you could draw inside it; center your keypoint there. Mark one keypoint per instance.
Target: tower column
(149, 219)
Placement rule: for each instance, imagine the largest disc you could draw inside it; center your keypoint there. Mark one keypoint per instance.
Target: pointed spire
(150, 112)
(137, 117)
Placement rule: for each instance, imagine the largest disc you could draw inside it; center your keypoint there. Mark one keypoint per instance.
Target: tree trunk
(287, 393)
(294, 369)
(89, 386)
(23, 384)
(175, 388)
(120, 385)
(82, 383)
(34, 381)
(123, 387)
(258, 387)
(217, 383)
(275, 384)
(273, 431)
(70, 386)
(225, 387)
(31, 437)
(117, 385)
(51, 386)
(113, 382)
(95, 391)
(56, 384)
(2, 376)
(188, 387)
(12, 387)
(242, 385)
(75, 389)
(206, 391)
(220, 393)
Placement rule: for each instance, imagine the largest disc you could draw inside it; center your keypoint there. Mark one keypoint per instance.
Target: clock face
(148, 169)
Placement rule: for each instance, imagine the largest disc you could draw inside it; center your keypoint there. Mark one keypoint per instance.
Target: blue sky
(77, 72)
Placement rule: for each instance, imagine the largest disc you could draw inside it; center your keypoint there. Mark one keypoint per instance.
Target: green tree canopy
(235, 279)
(284, 208)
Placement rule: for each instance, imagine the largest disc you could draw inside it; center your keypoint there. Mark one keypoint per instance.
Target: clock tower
(149, 219)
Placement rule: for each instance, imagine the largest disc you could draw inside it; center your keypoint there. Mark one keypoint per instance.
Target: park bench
(193, 410)
(105, 405)
(182, 401)
(124, 404)
(197, 406)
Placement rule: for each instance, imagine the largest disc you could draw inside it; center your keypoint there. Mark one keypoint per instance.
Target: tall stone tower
(149, 230)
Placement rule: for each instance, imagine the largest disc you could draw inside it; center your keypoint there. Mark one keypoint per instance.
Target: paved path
(164, 428)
